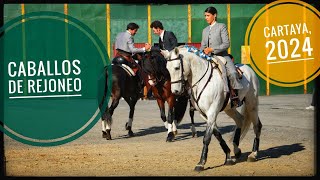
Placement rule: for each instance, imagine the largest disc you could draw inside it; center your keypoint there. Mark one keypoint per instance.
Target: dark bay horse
(158, 80)
(123, 84)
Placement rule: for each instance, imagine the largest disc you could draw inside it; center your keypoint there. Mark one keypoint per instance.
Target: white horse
(210, 96)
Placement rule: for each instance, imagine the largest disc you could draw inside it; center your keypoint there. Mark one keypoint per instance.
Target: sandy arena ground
(287, 146)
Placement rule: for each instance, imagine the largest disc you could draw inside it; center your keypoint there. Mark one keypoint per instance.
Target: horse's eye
(177, 68)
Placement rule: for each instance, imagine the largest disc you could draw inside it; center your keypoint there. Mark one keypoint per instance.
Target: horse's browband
(178, 81)
(178, 58)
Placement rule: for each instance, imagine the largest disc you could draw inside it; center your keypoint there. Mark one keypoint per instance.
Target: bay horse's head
(176, 70)
(154, 65)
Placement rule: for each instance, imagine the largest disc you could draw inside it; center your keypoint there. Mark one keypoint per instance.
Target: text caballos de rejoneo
(44, 77)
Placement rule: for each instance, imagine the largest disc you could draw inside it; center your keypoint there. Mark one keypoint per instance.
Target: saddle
(127, 62)
(123, 57)
(218, 62)
(223, 61)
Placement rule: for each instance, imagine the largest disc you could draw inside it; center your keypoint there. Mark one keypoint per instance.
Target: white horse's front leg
(212, 129)
(257, 130)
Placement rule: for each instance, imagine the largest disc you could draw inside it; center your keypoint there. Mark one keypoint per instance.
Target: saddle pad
(127, 69)
(203, 55)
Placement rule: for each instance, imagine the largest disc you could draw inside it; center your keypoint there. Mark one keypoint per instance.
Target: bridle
(196, 99)
(181, 80)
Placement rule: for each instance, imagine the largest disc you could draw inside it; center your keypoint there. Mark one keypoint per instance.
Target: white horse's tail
(247, 120)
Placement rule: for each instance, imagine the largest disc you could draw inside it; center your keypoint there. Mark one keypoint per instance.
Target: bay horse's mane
(156, 64)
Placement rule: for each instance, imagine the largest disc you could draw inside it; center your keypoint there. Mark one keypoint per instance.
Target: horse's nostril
(176, 91)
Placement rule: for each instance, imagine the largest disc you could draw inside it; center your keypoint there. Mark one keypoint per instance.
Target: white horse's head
(176, 70)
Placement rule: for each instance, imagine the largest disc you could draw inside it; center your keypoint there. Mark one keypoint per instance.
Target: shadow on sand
(180, 136)
(274, 152)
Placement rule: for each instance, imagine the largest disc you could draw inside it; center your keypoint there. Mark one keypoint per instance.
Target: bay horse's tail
(180, 107)
(103, 90)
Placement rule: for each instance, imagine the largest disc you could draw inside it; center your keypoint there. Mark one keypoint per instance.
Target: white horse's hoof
(229, 162)
(199, 168)
(237, 154)
(194, 134)
(252, 158)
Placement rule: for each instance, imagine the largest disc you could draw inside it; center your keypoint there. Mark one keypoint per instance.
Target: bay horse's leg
(238, 118)
(162, 112)
(132, 103)
(170, 101)
(191, 113)
(212, 129)
(107, 118)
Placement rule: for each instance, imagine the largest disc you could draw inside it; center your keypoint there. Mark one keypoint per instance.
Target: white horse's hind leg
(193, 128)
(238, 118)
(194, 131)
(257, 130)
(251, 116)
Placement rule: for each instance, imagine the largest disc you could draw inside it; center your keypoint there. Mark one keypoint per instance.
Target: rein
(210, 76)
(192, 92)
(182, 69)
(183, 81)
(201, 77)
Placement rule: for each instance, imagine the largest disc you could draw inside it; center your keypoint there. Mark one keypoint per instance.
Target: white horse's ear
(165, 53)
(176, 50)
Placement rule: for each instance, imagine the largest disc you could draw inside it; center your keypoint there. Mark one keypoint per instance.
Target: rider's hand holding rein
(208, 50)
